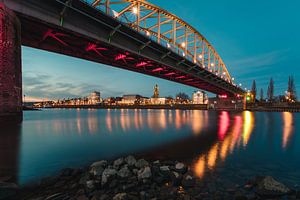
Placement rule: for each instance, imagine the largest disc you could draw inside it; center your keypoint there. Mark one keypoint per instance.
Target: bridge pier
(10, 66)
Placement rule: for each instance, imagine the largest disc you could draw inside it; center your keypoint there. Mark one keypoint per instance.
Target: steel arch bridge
(129, 34)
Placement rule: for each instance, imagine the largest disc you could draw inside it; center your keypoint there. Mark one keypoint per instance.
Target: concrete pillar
(10, 65)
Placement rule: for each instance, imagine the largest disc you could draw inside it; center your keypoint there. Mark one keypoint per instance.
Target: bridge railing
(166, 29)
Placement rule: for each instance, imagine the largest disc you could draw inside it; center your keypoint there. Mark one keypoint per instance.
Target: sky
(256, 39)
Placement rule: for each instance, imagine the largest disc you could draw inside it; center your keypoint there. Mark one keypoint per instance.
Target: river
(233, 145)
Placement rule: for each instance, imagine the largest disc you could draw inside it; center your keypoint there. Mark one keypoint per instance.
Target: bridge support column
(10, 66)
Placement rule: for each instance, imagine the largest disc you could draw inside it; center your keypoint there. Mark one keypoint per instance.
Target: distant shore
(177, 106)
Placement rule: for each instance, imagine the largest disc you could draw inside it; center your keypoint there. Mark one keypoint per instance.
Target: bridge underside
(80, 46)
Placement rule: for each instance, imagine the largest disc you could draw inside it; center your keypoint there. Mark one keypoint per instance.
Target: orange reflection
(200, 167)
(212, 156)
(236, 131)
(197, 121)
(162, 119)
(287, 128)
(177, 119)
(108, 121)
(223, 125)
(248, 126)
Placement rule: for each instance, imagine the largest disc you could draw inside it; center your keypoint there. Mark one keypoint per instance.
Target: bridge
(130, 34)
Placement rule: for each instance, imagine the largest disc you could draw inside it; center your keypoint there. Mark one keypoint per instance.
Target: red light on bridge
(189, 80)
(170, 74)
(52, 34)
(120, 56)
(224, 96)
(179, 77)
(142, 64)
(157, 69)
(93, 47)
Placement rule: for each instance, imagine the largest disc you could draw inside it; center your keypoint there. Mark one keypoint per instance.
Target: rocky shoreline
(137, 179)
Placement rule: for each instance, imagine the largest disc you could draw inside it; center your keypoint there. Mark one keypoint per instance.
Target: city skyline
(252, 46)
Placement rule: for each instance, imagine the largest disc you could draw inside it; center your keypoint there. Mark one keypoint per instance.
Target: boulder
(181, 168)
(141, 163)
(269, 187)
(188, 181)
(144, 173)
(164, 168)
(90, 184)
(120, 196)
(97, 168)
(118, 162)
(107, 174)
(130, 160)
(124, 172)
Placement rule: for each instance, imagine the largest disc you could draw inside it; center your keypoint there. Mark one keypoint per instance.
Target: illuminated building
(156, 99)
(94, 98)
(199, 97)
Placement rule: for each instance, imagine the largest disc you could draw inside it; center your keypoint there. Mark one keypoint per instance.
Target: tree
(183, 96)
(253, 90)
(291, 92)
(261, 94)
(271, 90)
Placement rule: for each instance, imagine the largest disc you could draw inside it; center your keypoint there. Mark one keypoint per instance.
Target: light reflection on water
(55, 139)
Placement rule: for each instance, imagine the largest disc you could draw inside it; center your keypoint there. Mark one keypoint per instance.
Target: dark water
(234, 145)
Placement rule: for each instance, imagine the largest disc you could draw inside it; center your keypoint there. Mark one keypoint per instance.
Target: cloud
(258, 62)
(43, 86)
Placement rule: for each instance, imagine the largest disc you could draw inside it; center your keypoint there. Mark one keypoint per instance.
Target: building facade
(199, 97)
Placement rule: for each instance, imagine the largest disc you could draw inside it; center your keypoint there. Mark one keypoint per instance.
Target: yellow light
(200, 56)
(212, 64)
(183, 54)
(147, 33)
(134, 10)
(168, 45)
(183, 44)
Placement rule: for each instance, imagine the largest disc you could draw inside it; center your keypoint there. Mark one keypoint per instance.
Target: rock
(118, 162)
(107, 173)
(97, 168)
(124, 172)
(156, 162)
(268, 186)
(141, 163)
(164, 168)
(181, 168)
(130, 160)
(144, 173)
(82, 197)
(90, 184)
(176, 178)
(7, 190)
(120, 196)
(188, 181)
(102, 163)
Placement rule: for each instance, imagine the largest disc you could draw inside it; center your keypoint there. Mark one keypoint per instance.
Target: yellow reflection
(177, 119)
(108, 121)
(162, 119)
(200, 167)
(197, 121)
(212, 156)
(136, 119)
(78, 123)
(248, 126)
(287, 128)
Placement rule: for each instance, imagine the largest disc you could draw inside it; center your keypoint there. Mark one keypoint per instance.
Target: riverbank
(166, 106)
(130, 178)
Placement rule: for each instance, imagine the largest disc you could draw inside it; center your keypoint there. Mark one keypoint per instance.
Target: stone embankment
(131, 179)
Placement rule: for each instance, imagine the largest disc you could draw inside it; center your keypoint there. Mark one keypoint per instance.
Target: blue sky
(256, 39)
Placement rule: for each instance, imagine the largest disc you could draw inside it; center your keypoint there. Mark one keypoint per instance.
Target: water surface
(233, 145)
